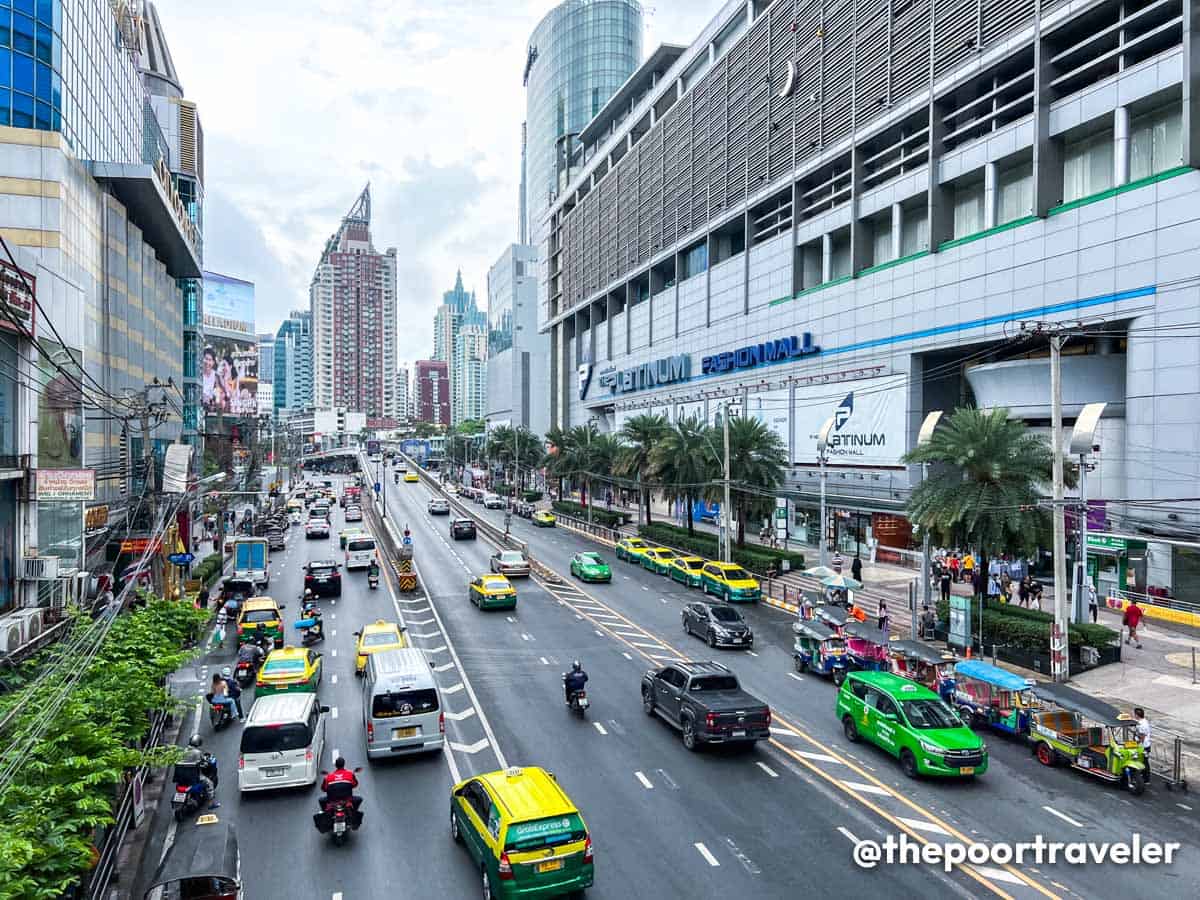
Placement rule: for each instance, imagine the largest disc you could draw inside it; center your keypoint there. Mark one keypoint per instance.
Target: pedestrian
(944, 583)
(881, 621)
(1093, 602)
(968, 567)
(928, 623)
(856, 568)
(977, 584)
(1131, 620)
(1035, 591)
(219, 627)
(1013, 591)
(993, 589)
(1023, 592)
(1143, 733)
(837, 561)
(954, 567)
(994, 567)
(202, 598)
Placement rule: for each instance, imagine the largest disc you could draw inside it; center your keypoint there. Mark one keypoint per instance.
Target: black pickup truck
(705, 702)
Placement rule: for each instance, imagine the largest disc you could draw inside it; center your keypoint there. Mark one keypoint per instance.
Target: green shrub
(755, 558)
(599, 516)
(208, 569)
(531, 496)
(504, 490)
(1028, 629)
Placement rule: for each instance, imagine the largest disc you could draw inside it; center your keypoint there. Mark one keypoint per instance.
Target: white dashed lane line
(600, 728)
(706, 853)
(1063, 816)
(767, 769)
(646, 783)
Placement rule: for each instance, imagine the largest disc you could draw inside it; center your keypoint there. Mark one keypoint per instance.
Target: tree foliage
(640, 434)
(684, 461)
(757, 461)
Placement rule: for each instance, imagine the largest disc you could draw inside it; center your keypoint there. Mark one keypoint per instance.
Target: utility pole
(726, 552)
(1059, 661)
(923, 437)
(822, 444)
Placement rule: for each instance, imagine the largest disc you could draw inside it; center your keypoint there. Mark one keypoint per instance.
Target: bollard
(993, 654)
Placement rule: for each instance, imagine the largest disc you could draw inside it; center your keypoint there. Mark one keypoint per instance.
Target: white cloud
(305, 101)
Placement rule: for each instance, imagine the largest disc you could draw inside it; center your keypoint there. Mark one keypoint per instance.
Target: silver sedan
(510, 562)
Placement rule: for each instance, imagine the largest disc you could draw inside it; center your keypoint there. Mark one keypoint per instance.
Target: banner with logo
(869, 421)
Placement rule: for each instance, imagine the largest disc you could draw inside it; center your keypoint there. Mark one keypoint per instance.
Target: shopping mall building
(852, 210)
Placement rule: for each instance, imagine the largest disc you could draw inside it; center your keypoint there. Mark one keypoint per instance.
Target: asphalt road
(668, 823)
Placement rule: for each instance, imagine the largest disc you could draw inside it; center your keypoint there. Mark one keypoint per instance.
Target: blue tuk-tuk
(818, 649)
(926, 665)
(988, 695)
(832, 616)
(866, 645)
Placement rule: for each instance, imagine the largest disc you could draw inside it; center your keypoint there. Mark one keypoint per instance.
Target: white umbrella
(820, 572)
(842, 582)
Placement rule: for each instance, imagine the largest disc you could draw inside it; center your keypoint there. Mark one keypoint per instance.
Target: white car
(353, 513)
(439, 506)
(493, 501)
(282, 743)
(316, 528)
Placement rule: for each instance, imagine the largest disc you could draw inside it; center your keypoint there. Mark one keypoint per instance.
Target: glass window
(23, 33)
(45, 39)
(22, 111)
(1087, 166)
(968, 209)
(25, 6)
(5, 67)
(42, 116)
(5, 28)
(60, 531)
(22, 73)
(5, 106)
(43, 82)
(1156, 142)
(1015, 185)
(45, 11)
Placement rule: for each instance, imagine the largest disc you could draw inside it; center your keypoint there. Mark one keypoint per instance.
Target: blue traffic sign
(181, 559)
(377, 487)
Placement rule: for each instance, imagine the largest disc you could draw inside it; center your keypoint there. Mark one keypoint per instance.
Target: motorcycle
(191, 793)
(578, 700)
(219, 714)
(245, 672)
(312, 629)
(372, 580)
(339, 813)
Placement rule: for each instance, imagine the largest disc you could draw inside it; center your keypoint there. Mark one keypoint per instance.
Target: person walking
(993, 588)
(944, 583)
(1023, 592)
(968, 567)
(881, 621)
(1143, 734)
(219, 627)
(1131, 620)
(1093, 602)
(856, 568)
(954, 567)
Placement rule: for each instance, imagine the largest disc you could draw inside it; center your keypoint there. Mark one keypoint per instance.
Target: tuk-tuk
(925, 665)
(988, 695)
(832, 616)
(818, 649)
(202, 864)
(1089, 735)
(235, 592)
(866, 645)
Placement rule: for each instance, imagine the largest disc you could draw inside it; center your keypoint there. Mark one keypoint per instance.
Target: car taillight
(308, 578)
(505, 868)
(768, 722)
(587, 850)
(711, 720)
(370, 733)
(442, 722)
(241, 762)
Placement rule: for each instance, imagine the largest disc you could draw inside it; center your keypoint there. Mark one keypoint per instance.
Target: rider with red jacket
(340, 784)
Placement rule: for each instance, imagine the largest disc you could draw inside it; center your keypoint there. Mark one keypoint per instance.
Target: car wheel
(839, 675)
(850, 729)
(1045, 753)
(800, 664)
(647, 701)
(455, 834)
(689, 735)
(908, 763)
(487, 886)
(712, 640)
(1135, 783)
(687, 629)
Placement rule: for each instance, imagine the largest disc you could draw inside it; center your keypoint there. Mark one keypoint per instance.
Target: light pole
(822, 445)
(727, 553)
(923, 438)
(1083, 443)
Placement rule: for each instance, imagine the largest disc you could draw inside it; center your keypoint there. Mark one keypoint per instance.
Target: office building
(458, 311)
(323, 429)
(353, 303)
(403, 405)
(805, 226)
(580, 53)
(266, 358)
(518, 390)
(266, 399)
(294, 362)
(431, 386)
(468, 384)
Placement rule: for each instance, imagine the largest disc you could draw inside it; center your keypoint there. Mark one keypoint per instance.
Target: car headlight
(983, 747)
(931, 748)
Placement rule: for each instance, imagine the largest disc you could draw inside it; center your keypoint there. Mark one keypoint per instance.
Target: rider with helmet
(207, 766)
(574, 680)
(339, 784)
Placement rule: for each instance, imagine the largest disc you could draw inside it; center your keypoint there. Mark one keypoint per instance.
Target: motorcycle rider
(574, 680)
(261, 639)
(340, 776)
(373, 572)
(234, 689)
(220, 695)
(252, 654)
(194, 756)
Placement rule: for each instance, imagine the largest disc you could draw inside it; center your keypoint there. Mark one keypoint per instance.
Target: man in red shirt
(1131, 620)
(340, 784)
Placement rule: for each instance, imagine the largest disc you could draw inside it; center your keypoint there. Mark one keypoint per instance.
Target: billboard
(229, 378)
(228, 305)
(60, 407)
(869, 421)
(773, 410)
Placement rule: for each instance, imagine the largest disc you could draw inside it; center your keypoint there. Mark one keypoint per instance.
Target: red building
(433, 391)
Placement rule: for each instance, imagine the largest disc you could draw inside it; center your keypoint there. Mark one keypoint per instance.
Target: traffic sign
(181, 559)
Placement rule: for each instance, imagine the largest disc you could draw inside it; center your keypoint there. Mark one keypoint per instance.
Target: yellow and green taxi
(492, 592)
(630, 549)
(590, 566)
(686, 570)
(657, 559)
(289, 669)
(411, 477)
(260, 611)
(523, 833)
(543, 519)
(346, 533)
(729, 581)
(379, 635)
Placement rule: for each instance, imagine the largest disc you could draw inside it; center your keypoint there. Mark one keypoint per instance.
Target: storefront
(1116, 564)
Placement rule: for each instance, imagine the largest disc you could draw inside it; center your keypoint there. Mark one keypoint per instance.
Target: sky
(303, 102)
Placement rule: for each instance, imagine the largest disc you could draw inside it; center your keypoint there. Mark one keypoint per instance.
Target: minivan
(402, 708)
(282, 743)
(360, 551)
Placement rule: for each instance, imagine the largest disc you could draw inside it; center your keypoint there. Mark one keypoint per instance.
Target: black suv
(462, 528)
(323, 577)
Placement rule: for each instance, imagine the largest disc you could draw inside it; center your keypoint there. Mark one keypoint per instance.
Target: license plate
(179, 797)
(967, 770)
(551, 866)
(339, 827)
(741, 732)
(738, 640)
(398, 733)
(275, 772)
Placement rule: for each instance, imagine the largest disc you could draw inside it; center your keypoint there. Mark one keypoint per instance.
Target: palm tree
(499, 446)
(576, 459)
(682, 459)
(757, 462)
(555, 459)
(987, 482)
(603, 453)
(641, 434)
(528, 453)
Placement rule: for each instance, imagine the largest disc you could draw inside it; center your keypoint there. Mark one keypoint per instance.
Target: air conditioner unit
(78, 589)
(31, 619)
(39, 568)
(12, 635)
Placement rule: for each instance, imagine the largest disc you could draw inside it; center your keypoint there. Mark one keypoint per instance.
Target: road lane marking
(438, 649)
(422, 635)
(658, 646)
(545, 662)
(333, 679)
(848, 835)
(997, 874)
(333, 652)
(453, 689)
(704, 851)
(1063, 816)
(752, 653)
(428, 621)
(333, 712)
(459, 716)
(767, 769)
(667, 779)
(747, 863)
(630, 658)
(924, 825)
(646, 783)
(510, 620)
(335, 755)
(817, 757)
(864, 788)
(794, 675)
(443, 667)
(599, 633)
(599, 728)
(470, 748)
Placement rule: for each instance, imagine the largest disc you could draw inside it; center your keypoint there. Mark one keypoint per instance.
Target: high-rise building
(432, 389)
(518, 362)
(578, 56)
(266, 358)
(468, 385)
(294, 362)
(403, 405)
(458, 310)
(353, 303)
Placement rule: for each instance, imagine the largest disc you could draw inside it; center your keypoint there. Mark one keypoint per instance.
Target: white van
(402, 707)
(283, 741)
(360, 550)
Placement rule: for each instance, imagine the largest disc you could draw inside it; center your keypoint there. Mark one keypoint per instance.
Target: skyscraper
(468, 383)
(518, 357)
(403, 406)
(458, 310)
(266, 358)
(432, 387)
(353, 303)
(294, 362)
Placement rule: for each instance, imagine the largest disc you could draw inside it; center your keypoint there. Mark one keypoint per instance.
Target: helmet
(576, 666)
(196, 741)
(226, 672)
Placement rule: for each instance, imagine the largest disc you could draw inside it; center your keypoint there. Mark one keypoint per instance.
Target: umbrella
(820, 572)
(842, 582)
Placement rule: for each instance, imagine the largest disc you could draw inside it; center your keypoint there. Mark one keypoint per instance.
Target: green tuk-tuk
(1089, 735)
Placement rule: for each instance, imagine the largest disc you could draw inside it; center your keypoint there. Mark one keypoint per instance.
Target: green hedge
(504, 490)
(208, 569)
(531, 496)
(753, 557)
(599, 516)
(1029, 629)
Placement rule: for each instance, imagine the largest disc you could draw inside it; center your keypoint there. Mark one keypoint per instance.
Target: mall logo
(852, 441)
(669, 370)
(585, 378)
(844, 411)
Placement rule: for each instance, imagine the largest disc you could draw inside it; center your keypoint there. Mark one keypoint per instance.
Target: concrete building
(353, 303)
(580, 53)
(431, 388)
(293, 359)
(458, 310)
(266, 358)
(266, 399)
(808, 227)
(403, 391)
(518, 356)
(468, 384)
(324, 429)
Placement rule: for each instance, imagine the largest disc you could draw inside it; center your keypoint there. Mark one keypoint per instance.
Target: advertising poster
(229, 378)
(228, 305)
(60, 408)
(869, 421)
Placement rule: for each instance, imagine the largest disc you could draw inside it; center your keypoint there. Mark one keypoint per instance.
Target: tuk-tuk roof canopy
(813, 629)
(921, 652)
(204, 848)
(832, 615)
(866, 632)
(1077, 701)
(993, 675)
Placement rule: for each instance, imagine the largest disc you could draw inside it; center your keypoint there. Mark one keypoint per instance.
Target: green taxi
(590, 566)
(729, 581)
(523, 833)
(910, 722)
(492, 592)
(657, 559)
(289, 669)
(686, 570)
(630, 549)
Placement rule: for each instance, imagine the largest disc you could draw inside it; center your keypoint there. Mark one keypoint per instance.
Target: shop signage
(778, 350)
(1106, 542)
(95, 518)
(668, 370)
(869, 423)
(585, 378)
(138, 545)
(66, 484)
(16, 300)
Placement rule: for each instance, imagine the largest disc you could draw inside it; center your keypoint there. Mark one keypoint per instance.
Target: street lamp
(1083, 443)
(822, 445)
(923, 438)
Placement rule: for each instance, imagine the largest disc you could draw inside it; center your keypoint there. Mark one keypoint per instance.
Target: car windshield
(379, 639)
(404, 703)
(725, 614)
(691, 563)
(275, 738)
(283, 666)
(714, 683)
(512, 556)
(550, 832)
(260, 615)
(737, 575)
(930, 714)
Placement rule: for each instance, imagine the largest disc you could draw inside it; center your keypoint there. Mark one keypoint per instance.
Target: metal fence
(1168, 762)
